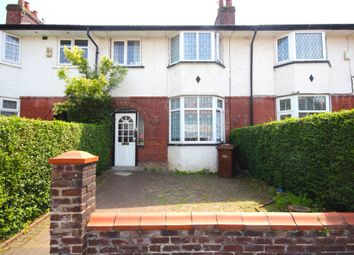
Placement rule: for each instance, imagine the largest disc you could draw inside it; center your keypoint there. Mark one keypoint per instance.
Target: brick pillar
(73, 199)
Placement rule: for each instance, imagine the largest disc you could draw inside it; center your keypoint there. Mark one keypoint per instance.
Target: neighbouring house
(187, 86)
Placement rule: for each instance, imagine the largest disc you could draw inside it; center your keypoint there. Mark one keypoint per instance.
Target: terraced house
(187, 86)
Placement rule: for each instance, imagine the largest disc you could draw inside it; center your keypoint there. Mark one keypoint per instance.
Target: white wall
(36, 75)
(327, 79)
(192, 158)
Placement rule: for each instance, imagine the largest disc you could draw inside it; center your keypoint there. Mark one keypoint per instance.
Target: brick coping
(220, 220)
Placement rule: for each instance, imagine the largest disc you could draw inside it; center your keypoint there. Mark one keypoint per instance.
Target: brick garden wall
(74, 229)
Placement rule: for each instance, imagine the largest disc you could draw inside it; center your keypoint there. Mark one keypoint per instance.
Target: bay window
(196, 46)
(196, 119)
(301, 106)
(301, 46)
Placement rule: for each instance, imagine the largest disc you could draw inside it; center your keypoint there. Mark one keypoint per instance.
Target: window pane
(9, 104)
(309, 46)
(190, 102)
(62, 58)
(175, 49)
(175, 103)
(206, 125)
(219, 104)
(5, 113)
(133, 52)
(315, 103)
(218, 47)
(285, 104)
(283, 49)
(206, 102)
(191, 125)
(118, 52)
(141, 130)
(65, 43)
(204, 46)
(12, 49)
(285, 116)
(218, 126)
(81, 43)
(175, 126)
(190, 46)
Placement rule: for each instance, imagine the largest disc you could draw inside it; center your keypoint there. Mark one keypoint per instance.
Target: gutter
(251, 77)
(91, 39)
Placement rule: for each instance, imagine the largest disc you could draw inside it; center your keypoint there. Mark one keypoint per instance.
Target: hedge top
(74, 157)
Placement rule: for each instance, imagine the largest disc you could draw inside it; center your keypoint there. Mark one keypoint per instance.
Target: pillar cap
(73, 157)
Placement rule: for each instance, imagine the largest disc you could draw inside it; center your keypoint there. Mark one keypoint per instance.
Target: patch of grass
(283, 200)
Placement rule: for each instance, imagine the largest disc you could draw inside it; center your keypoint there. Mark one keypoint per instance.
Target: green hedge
(312, 157)
(25, 147)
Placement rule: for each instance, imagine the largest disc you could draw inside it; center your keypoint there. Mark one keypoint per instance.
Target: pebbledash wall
(76, 229)
(148, 87)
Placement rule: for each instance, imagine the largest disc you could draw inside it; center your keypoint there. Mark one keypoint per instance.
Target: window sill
(66, 66)
(197, 62)
(134, 67)
(194, 144)
(303, 62)
(10, 64)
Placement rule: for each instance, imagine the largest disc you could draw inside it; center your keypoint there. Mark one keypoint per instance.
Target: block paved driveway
(163, 191)
(155, 192)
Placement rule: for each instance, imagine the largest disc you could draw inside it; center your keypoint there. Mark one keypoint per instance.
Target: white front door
(125, 125)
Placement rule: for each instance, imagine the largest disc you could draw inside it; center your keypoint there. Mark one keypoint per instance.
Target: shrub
(311, 157)
(25, 147)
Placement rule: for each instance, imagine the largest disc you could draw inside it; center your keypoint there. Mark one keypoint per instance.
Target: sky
(187, 12)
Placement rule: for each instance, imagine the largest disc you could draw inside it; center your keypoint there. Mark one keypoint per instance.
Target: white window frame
(4, 49)
(294, 100)
(214, 109)
(72, 44)
(2, 109)
(213, 51)
(292, 46)
(126, 51)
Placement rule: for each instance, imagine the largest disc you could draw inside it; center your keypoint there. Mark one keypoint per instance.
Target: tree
(88, 97)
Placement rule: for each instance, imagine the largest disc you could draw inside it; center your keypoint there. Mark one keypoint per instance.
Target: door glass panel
(125, 130)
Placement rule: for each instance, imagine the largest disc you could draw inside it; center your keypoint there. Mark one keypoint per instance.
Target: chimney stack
(21, 13)
(226, 14)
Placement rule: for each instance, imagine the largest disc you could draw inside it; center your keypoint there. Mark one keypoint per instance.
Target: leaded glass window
(283, 49)
(175, 103)
(206, 125)
(191, 125)
(190, 102)
(175, 126)
(309, 45)
(175, 49)
(12, 48)
(218, 126)
(190, 46)
(204, 46)
(312, 103)
(206, 102)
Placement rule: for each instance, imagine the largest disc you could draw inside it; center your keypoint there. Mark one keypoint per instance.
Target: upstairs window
(9, 107)
(195, 46)
(126, 53)
(301, 46)
(301, 106)
(196, 119)
(12, 49)
(82, 44)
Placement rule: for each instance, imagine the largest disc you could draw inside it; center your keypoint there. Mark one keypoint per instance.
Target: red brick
(236, 248)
